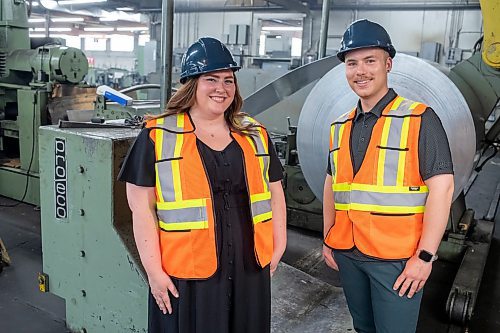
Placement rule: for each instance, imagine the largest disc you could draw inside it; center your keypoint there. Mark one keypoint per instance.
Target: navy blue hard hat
(206, 55)
(364, 33)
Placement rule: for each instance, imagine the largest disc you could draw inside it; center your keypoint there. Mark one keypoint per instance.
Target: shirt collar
(379, 107)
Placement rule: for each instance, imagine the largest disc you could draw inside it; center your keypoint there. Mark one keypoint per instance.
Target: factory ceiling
(238, 5)
(132, 16)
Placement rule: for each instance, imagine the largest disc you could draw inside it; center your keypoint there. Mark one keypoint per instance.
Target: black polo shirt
(433, 150)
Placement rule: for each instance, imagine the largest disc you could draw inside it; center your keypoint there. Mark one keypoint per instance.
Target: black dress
(238, 297)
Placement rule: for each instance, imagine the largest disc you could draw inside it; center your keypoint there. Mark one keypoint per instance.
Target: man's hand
(413, 277)
(329, 259)
(160, 285)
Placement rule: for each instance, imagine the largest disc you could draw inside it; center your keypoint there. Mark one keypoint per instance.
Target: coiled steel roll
(410, 77)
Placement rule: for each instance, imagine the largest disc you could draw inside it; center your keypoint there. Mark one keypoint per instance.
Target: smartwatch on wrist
(426, 256)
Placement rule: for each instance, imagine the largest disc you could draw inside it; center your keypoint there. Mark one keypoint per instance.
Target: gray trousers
(374, 305)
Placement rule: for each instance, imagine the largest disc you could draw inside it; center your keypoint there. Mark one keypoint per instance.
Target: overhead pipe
(325, 17)
(292, 5)
(408, 6)
(180, 8)
(167, 28)
(381, 7)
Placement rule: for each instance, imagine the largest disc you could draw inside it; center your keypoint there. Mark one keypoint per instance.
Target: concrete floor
(319, 307)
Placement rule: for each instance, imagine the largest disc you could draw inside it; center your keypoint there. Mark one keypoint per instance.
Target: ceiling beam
(292, 5)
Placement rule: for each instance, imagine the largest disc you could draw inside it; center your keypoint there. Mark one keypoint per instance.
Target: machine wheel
(458, 306)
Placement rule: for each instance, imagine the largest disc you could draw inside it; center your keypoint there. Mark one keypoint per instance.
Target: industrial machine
(89, 256)
(30, 78)
(107, 109)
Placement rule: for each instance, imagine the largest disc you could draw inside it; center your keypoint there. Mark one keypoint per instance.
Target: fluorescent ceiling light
(35, 4)
(58, 35)
(36, 20)
(125, 9)
(96, 36)
(78, 2)
(117, 35)
(119, 16)
(132, 28)
(37, 35)
(282, 28)
(99, 29)
(51, 29)
(67, 19)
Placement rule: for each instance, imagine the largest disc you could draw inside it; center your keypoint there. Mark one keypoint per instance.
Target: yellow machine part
(491, 44)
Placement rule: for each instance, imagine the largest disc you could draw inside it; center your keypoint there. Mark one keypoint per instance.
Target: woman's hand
(274, 265)
(278, 206)
(160, 285)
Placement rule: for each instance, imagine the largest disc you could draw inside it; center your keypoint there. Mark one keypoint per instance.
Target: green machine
(28, 77)
(89, 254)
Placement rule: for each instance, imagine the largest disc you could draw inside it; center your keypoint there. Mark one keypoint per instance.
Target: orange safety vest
(184, 203)
(380, 209)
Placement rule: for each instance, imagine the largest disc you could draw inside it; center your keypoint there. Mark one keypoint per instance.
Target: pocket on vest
(189, 254)
(394, 236)
(263, 238)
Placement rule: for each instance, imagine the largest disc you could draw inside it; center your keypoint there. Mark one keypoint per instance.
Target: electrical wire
(20, 201)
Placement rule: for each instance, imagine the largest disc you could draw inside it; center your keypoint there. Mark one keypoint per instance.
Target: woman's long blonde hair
(185, 98)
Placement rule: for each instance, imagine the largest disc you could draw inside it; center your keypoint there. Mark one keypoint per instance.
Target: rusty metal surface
(67, 97)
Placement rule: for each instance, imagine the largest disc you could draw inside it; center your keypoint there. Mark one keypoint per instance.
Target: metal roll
(410, 77)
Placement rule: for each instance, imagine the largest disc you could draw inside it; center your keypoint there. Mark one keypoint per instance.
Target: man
(388, 191)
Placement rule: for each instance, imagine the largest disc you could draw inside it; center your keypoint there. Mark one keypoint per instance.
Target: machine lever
(81, 124)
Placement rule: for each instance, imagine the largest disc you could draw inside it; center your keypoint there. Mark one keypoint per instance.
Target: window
(95, 44)
(143, 39)
(122, 43)
(296, 47)
(73, 41)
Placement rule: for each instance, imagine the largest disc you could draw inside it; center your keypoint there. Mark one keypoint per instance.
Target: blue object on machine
(114, 95)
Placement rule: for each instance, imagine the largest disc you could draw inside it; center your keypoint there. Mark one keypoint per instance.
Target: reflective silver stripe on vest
(335, 145)
(261, 207)
(336, 138)
(332, 165)
(182, 215)
(394, 141)
(343, 197)
(403, 109)
(165, 173)
(392, 155)
(263, 153)
(392, 199)
(260, 148)
(381, 199)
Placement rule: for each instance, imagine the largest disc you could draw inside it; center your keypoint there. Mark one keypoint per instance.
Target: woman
(209, 216)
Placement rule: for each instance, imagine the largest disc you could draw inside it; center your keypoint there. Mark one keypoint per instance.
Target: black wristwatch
(427, 256)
